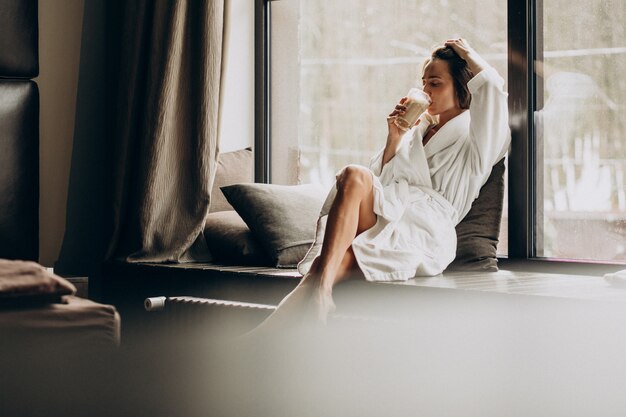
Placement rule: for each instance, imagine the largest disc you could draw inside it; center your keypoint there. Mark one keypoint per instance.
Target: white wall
(237, 117)
(60, 28)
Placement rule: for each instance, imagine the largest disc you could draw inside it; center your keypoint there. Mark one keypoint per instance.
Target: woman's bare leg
(352, 213)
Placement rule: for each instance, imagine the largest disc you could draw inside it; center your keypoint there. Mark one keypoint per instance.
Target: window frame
(521, 83)
(262, 82)
(524, 24)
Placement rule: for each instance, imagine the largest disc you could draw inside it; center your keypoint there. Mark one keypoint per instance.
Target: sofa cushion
(19, 43)
(281, 217)
(19, 169)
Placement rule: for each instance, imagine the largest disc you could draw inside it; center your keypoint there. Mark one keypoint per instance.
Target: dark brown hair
(459, 70)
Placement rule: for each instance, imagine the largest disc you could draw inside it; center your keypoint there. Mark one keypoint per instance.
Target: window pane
(581, 130)
(339, 68)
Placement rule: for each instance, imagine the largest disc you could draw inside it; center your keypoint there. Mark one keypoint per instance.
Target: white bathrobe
(422, 193)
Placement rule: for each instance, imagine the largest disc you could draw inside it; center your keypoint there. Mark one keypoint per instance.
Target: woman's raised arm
(475, 62)
(489, 129)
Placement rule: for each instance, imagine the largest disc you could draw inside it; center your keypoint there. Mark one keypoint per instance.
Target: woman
(397, 219)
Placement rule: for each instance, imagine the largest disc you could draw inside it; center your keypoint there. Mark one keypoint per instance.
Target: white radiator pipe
(154, 303)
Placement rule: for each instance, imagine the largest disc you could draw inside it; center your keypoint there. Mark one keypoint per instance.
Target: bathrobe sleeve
(386, 172)
(376, 163)
(409, 163)
(490, 135)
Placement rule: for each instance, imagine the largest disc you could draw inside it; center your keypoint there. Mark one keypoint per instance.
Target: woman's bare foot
(322, 304)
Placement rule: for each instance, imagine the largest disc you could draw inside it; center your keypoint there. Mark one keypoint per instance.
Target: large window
(338, 68)
(580, 130)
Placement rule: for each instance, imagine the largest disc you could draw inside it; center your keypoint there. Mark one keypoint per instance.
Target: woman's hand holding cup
(395, 132)
(406, 114)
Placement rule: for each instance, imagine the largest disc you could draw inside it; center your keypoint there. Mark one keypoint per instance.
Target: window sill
(525, 282)
(570, 267)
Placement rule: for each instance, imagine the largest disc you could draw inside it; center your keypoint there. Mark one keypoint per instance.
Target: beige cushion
(232, 168)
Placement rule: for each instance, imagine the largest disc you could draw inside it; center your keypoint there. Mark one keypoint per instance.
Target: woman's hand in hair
(475, 62)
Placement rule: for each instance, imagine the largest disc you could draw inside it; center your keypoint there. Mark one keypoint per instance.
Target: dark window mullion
(521, 102)
(262, 30)
(538, 165)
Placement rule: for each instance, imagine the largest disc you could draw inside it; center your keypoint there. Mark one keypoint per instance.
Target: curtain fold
(165, 115)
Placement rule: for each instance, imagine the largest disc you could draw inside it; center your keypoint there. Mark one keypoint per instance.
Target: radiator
(193, 316)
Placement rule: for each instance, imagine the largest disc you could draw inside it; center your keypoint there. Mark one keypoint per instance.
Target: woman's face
(439, 85)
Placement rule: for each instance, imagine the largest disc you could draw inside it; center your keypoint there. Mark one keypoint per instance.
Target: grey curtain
(165, 125)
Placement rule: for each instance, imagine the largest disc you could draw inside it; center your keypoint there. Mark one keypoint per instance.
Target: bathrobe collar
(452, 131)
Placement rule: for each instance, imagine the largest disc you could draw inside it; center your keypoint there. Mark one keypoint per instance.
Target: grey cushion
(231, 242)
(232, 168)
(281, 217)
(477, 233)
